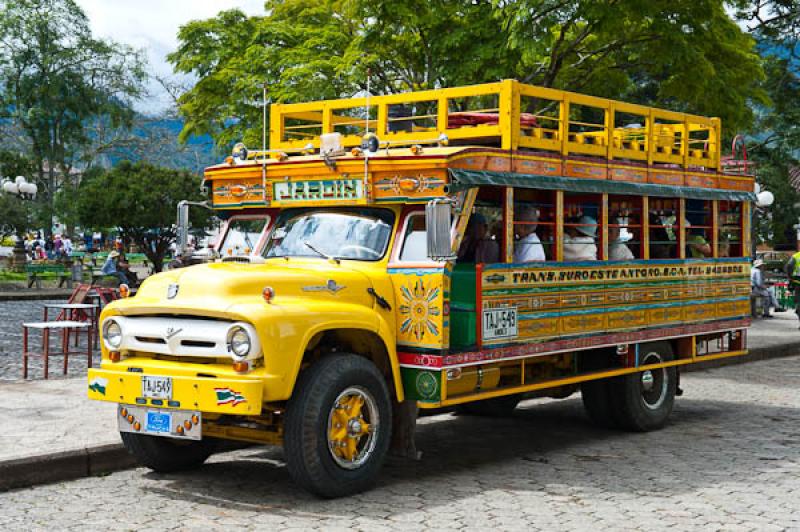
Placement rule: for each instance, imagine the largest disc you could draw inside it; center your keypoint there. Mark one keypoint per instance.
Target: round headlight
(112, 333)
(239, 341)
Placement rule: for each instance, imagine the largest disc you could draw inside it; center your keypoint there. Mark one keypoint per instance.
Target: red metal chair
(45, 352)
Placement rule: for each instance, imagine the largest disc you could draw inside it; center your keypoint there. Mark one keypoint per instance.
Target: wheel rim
(353, 427)
(653, 383)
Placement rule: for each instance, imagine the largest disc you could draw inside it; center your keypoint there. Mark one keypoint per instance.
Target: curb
(64, 465)
(756, 354)
(34, 296)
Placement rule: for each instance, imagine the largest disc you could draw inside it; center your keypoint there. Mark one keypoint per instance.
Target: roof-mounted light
(239, 151)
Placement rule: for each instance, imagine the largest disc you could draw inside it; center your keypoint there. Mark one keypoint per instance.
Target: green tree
(55, 78)
(682, 54)
(772, 19)
(685, 55)
(141, 200)
(775, 148)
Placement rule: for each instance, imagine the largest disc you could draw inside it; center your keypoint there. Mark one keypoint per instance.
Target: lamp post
(24, 191)
(796, 227)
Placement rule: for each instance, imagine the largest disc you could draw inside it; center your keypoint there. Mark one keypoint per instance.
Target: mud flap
(404, 425)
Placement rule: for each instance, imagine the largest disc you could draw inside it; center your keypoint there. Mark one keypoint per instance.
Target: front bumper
(224, 396)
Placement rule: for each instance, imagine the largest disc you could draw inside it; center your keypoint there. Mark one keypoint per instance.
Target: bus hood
(222, 289)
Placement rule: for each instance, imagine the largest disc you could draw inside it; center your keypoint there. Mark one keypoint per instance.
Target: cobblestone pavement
(12, 315)
(729, 460)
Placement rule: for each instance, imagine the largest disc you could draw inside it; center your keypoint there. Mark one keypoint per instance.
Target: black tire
(596, 398)
(310, 456)
(643, 401)
(496, 407)
(167, 455)
(596, 394)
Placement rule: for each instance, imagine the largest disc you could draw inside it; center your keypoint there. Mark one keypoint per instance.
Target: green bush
(6, 275)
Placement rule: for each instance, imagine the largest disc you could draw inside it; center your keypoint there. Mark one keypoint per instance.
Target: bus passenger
(617, 249)
(476, 246)
(579, 241)
(660, 240)
(528, 248)
(697, 247)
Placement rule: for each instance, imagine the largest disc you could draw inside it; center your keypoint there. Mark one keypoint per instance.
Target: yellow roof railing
(510, 115)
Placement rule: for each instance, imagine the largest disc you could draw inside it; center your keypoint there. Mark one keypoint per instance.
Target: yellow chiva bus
(459, 247)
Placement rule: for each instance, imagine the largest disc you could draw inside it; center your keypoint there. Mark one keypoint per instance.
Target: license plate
(158, 422)
(157, 387)
(499, 323)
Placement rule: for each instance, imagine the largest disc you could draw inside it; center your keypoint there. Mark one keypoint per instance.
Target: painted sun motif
(418, 309)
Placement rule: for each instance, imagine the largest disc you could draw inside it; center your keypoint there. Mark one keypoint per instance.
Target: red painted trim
(479, 304)
(573, 344)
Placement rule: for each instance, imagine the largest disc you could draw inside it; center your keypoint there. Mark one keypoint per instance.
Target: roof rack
(510, 115)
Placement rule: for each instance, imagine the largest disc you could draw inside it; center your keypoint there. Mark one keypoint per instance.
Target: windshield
(243, 236)
(361, 234)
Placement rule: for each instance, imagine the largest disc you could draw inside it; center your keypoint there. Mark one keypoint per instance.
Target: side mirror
(182, 232)
(438, 221)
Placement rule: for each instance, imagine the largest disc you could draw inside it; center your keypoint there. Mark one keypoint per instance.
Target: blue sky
(152, 25)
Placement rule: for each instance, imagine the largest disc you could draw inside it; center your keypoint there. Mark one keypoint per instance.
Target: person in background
(58, 247)
(67, 246)
(792, 270)
(115, 265)
(528, 248)
(476, 246)
(579, 240)
(617, 249)
(48, 247)
(760, 288)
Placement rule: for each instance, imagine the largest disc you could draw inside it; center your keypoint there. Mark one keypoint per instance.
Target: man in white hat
(110, 267)
(579, 241)
(761, 289)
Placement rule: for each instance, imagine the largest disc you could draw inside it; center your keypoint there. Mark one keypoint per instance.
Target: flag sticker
(98, 384)
(226, 396)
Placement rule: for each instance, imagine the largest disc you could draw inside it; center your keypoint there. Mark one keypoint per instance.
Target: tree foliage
(55, 78)
(775, 148)
(140, 199)
(682, 54)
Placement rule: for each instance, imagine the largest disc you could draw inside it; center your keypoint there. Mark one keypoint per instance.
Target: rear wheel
(596, 398)
(166, 455)
(643, 401)
(596, 394)
(639, 401)
(338, 426)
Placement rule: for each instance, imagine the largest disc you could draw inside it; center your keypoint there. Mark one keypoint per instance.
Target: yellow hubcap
(351, 427)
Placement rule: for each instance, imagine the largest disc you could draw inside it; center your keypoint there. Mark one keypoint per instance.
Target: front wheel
(338, 426)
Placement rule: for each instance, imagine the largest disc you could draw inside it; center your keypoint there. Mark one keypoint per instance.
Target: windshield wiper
(320, 253)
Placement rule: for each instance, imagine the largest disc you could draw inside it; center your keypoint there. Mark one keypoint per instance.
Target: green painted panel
(422, 384)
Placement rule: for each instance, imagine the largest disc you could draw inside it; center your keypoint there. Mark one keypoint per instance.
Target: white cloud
(152, 25)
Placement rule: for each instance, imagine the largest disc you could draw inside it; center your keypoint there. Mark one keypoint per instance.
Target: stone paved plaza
(12, 315)
(729, 460)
